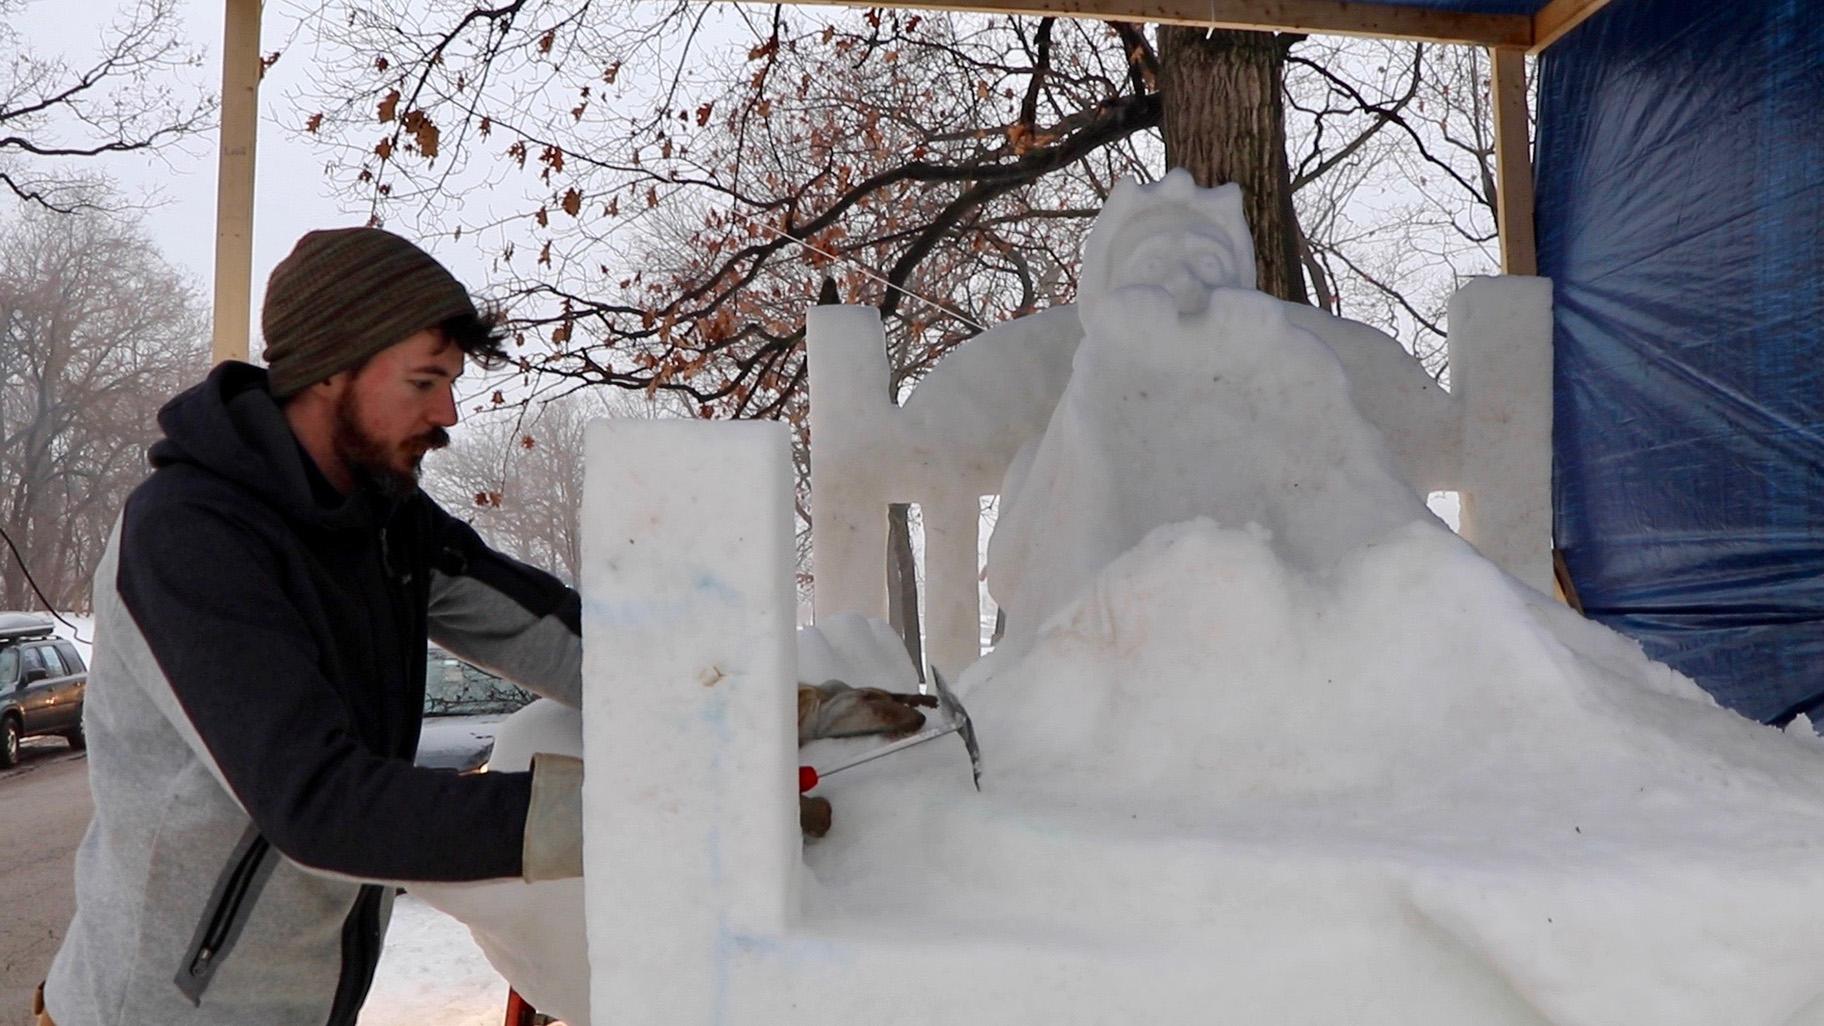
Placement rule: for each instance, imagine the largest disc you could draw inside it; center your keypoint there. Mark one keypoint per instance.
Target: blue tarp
(1680, 208)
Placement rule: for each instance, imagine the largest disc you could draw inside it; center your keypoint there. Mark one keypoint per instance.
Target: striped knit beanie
(343, 295)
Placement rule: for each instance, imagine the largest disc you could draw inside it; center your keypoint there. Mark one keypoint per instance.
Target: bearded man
(261, 618)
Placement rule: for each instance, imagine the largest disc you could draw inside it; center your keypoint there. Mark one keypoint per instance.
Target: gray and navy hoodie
(252, 713)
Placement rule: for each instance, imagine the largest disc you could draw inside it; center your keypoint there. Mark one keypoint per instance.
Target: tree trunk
(902, 584)
(1225, 121)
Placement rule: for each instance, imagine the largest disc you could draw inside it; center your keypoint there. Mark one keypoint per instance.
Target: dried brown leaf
(424, 131)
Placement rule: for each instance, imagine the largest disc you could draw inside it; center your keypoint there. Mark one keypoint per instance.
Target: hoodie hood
(230, 426)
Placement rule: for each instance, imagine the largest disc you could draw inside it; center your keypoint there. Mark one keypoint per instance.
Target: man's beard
(370, 461)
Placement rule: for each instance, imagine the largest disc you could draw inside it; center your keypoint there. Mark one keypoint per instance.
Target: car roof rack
(23, 626)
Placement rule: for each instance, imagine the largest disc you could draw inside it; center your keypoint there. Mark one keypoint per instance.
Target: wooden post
(1556, 19)
(234, 179)
(1513, 163)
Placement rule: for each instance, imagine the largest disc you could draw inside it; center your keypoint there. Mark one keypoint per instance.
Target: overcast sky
(292, 194)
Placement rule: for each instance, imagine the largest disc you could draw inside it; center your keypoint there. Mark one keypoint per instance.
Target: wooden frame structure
(1510, 37)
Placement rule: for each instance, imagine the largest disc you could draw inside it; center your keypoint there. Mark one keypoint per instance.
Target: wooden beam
(1559, 17)
(1513, 164)
(1328, 17)
(234, 179)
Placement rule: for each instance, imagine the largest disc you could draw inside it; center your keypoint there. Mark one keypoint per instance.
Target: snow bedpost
(953, 612)
(1501, 371)
(850, 407)
(691, 838)
(867, 452)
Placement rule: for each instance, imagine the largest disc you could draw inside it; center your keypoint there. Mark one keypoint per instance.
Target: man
(261, 618)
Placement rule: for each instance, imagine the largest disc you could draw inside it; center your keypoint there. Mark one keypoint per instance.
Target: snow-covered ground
(432, 973)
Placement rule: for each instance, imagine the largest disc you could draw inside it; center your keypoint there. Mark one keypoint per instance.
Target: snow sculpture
(972, 426)
(1255, 765)
(1181, 406)
(532, 934)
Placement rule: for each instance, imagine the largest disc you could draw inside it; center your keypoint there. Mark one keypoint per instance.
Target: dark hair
(480, 336)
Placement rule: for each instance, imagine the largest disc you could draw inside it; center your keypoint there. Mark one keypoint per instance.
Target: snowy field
(432, 974)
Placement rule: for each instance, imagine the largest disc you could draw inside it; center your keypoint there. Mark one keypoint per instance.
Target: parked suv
(41, 685)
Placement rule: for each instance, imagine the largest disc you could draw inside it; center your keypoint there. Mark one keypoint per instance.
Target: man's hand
(552, 848)
(834, 709)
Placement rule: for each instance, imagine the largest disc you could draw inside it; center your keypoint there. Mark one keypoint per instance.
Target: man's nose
(444, 413)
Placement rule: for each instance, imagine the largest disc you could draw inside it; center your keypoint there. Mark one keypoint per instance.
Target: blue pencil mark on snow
(636, 612)
(708, 582)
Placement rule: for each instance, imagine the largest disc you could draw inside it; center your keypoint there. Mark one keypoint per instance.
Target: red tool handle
(807, 779)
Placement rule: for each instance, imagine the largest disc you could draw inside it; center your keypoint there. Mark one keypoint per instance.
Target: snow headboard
(1488, 439)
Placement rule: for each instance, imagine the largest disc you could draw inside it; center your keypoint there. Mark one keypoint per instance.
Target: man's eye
(422, 386)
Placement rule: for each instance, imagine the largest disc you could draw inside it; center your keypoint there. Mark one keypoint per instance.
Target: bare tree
(96, 331)
(1392, 222)
(56, 116)
(519, 480)
(691, 173)
(662, 187)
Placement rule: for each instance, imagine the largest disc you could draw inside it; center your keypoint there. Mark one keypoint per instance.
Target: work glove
(814, 815)
(834, 709)
(553, 845)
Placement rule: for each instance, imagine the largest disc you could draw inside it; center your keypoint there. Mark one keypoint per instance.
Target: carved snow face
(1168, 236)
(1186, 258)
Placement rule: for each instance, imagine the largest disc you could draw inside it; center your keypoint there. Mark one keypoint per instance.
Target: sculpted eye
(1212, 267)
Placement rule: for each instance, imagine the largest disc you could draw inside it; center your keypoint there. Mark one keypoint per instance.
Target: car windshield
(9, 664)
(454, 688)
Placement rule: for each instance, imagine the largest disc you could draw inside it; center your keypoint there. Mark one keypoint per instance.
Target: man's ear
(332, 386)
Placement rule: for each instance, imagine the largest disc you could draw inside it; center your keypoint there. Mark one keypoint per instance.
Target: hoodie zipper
(227, 913)
(360, 956)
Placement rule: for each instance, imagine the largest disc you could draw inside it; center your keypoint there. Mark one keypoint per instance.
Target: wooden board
(1332, 17)
(1559, 17)
(1513, 164)
(234, 182)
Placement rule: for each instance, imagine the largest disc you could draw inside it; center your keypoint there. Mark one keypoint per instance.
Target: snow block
(691, 842)
(847, 351)
(1504, 383)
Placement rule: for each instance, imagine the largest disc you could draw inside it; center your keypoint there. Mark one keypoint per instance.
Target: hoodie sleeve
(500, 614)
(230, 662)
